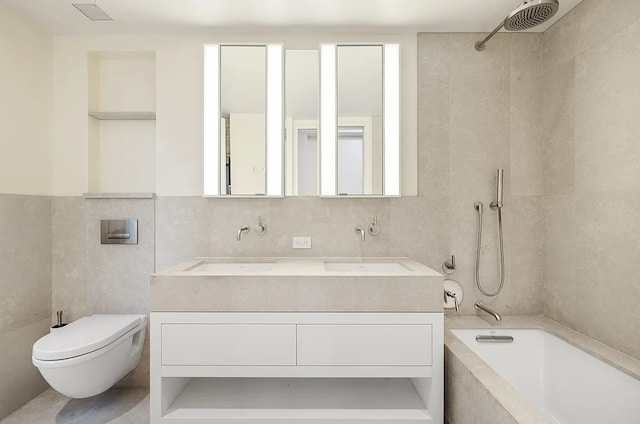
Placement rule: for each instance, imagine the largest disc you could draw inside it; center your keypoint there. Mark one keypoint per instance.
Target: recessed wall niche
(122, 127)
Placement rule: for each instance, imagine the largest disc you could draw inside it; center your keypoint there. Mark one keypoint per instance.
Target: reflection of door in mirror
(350, 160)
(359, 109)
(302, 80)
(242, 107)
(306, 183)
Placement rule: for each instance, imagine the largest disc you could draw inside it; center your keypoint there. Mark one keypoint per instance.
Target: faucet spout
(362, 232)
(480, 306)
(240, 231)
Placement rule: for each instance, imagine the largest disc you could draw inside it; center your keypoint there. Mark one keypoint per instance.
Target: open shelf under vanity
(298, 400)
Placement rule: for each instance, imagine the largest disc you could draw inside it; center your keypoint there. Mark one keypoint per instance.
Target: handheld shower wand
(499, 190)
(497, 205)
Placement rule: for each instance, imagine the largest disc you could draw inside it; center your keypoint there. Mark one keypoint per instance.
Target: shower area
(555, 112)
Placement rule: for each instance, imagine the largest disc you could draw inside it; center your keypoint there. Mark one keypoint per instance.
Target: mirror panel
(243, 96)
(243, 120)
(360, 137)
(302, 82)
(359, 112)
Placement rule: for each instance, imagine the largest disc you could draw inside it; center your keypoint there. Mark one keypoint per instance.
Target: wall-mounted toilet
(90, 355)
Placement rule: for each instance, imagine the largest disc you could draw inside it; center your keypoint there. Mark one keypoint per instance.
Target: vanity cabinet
(286, 367)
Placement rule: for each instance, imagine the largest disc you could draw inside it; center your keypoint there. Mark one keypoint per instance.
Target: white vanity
(297, 340)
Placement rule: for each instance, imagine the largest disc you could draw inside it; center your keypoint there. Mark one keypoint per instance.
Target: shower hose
(478, 206)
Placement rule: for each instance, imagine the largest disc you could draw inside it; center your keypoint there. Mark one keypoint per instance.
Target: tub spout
(480, 306)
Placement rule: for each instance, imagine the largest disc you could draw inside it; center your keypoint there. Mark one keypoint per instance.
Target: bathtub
(565, 384)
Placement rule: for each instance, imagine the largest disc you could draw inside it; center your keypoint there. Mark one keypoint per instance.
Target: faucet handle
(374, 228)
(261, 228)
(449, 293)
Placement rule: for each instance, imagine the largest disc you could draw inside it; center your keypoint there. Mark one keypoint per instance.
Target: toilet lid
(83, 336)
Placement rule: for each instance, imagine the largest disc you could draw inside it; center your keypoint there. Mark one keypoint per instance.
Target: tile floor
(115, 406)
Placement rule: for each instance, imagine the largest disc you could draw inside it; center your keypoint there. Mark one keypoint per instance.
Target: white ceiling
(263, 16)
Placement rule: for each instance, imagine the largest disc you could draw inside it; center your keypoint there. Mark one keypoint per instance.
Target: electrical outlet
(302, 242)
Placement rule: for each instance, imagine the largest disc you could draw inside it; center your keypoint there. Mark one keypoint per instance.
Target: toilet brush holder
(59, 323)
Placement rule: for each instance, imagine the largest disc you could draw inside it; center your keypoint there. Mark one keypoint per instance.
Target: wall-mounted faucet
(244, 229)
(362, 231)
(480, 306)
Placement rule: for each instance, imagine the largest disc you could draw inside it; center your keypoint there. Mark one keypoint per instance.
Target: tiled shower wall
(477, 112)
(592, 172)
(25, 294)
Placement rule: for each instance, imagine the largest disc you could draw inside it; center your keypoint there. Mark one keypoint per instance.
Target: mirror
(302, 82)
(360, 117)
(342, 121)
(243, 120)
(359, 111)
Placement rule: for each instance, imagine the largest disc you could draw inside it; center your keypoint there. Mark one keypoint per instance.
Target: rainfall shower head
(529, 14)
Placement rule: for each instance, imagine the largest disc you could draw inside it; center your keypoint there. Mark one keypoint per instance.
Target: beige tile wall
(466, 399)
(25, 294)
(592, 172)
(479, 111)
(91, 278)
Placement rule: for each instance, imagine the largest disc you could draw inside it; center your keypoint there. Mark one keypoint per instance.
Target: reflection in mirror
(242, 119)
(359, 114)
(360, 120)
(302, 81)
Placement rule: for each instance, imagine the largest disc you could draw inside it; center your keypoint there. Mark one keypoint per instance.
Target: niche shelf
(123, 116)
(121, 107)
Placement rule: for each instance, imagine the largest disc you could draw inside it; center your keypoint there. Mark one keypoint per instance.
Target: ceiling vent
(93, 11)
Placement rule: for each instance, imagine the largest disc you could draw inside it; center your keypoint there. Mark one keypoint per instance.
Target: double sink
(286, 265)
(298, 285)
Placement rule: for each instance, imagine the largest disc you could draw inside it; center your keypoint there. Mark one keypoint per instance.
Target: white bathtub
(566, 384)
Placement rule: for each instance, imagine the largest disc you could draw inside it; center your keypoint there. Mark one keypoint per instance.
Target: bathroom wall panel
(91, 278)
(591, 217)
(20, 381)
(25, 294)
(117, 275)
(479, 112)
(25, 105)
(68, 249)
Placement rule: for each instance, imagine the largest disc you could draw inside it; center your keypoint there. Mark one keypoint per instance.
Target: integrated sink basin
(365, 266)
(206, 268)
(242, 284)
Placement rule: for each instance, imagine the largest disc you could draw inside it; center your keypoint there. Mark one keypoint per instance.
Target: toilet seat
(84, 336)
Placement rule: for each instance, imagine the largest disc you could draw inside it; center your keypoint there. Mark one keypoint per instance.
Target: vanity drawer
(228, 344)
(366, 345)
